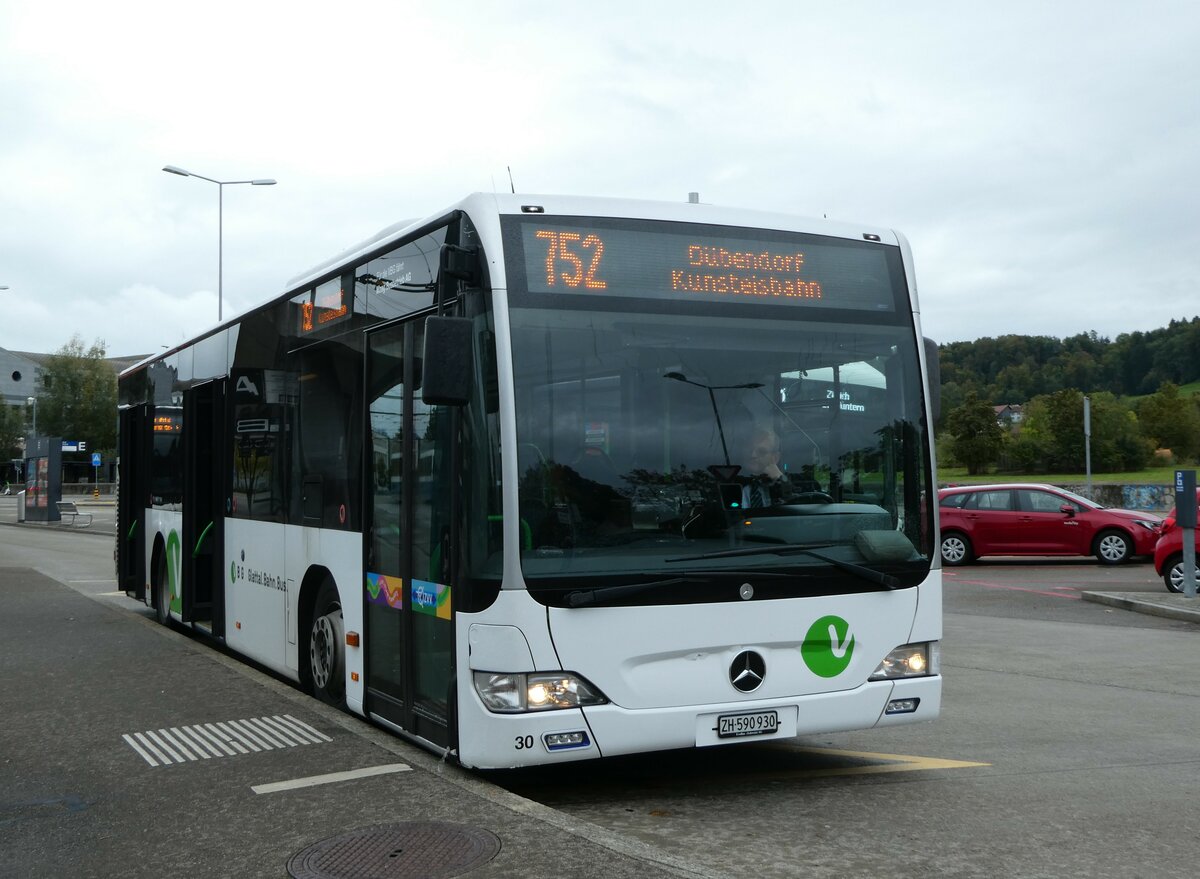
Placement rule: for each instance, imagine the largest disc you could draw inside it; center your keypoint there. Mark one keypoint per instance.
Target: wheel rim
(324, 648)
(1177, 576)
(954, 550)
(1112, 547)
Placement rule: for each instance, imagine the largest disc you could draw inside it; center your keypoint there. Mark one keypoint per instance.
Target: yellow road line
(887, 763)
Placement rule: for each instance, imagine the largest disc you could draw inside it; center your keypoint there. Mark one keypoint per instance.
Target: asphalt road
(1067, 747)
(1072, 728)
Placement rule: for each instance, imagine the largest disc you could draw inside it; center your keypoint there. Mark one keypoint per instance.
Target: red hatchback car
(1168, 552)
(1030, 519)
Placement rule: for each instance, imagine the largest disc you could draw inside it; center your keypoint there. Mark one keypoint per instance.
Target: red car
(1168, 552)
(1031, 519)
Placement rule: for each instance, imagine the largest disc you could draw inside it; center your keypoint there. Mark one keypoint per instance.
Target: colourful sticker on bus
(828, 646)
(431, 598)
(382, 589)
(174, 564)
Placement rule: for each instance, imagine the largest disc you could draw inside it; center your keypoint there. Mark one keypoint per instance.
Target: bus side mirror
(447, 361)
(461, 263)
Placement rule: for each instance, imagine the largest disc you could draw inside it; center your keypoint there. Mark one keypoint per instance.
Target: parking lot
(1066, 747)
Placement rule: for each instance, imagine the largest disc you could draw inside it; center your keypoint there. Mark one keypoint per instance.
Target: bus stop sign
(1185, 498)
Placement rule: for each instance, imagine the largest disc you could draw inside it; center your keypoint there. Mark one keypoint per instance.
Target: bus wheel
(326, 647)
(162, 590)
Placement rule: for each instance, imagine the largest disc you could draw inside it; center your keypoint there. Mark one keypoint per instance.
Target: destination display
(598, 257)
(322, 307)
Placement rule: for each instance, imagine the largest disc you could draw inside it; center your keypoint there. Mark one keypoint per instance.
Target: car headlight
(511, 693)
(1149, 526)
(910, 661)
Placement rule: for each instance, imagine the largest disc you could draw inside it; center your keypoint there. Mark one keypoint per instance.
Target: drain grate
(430, 849)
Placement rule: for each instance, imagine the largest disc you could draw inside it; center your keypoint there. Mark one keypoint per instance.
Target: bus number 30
(559, 252)
(524, 743)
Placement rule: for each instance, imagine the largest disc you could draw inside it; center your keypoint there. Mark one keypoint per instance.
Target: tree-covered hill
(1015, 369)
(1139, 411)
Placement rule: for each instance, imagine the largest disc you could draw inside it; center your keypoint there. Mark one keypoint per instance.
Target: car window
(1042, 502)
(954, 500)
(991, 500)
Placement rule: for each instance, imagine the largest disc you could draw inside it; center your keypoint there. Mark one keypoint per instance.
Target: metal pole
(1185, 520)
(220, 249)
(1087, 442)
(1189, 562)
(720, 430)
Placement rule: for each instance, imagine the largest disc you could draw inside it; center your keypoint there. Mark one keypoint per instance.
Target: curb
(1172, 607)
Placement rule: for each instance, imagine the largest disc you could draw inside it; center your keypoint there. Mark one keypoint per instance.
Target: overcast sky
(1043, 159)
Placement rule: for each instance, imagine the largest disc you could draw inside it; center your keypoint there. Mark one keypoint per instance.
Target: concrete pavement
(88, 684)
(128, 749)
(1165, 604)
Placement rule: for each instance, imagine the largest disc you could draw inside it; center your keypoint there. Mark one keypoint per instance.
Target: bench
(68, 508)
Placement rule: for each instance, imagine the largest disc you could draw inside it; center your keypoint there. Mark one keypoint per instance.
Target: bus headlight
(910, 661)
(535, 691)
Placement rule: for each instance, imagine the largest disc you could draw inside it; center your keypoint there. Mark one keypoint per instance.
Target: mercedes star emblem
(748, 671)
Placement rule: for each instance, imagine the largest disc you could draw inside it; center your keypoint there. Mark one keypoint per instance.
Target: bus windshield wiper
(869, 574)
(583, 597)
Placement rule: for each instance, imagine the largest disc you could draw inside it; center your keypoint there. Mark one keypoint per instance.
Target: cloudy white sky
(1043, 159)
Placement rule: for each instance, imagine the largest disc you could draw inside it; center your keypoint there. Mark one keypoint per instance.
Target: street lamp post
(221, 184)
(32, 401)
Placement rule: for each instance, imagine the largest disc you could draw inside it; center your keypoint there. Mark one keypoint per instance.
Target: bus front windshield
(666, 457)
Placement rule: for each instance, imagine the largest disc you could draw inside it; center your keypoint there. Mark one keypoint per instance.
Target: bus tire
(327, 647)
(1112, 547)
(162, 589)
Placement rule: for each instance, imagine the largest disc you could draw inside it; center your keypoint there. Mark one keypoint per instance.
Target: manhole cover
(429, 849)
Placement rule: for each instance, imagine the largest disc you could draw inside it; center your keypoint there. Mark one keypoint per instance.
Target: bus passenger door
(204, 489)
(409, 611)
(133, 476)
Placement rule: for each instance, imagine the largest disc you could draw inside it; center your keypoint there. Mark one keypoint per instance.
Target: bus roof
(480, 204)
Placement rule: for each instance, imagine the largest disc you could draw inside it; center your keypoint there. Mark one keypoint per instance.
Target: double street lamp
(221, 184)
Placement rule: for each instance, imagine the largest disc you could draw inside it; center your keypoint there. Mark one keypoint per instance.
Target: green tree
(976, 438)
(1172, 421)
(12, 429)
(77, 396)
(1056, 422)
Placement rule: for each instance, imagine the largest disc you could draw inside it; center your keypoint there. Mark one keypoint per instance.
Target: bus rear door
(205, 488)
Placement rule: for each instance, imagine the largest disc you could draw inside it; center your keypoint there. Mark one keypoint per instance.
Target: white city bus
(484, 479)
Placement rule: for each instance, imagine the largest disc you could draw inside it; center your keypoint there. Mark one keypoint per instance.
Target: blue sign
(95, 459)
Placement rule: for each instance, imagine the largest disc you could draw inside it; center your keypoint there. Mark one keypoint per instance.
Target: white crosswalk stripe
(228, 738)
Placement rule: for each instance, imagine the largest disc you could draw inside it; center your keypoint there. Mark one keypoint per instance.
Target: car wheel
(956, 549)
(326, 647)
(1173, 574)
(1113, 547)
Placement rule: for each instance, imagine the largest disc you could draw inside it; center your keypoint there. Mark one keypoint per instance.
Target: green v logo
(828, 647)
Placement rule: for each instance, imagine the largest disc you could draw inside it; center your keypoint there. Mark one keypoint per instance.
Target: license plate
(752, 723)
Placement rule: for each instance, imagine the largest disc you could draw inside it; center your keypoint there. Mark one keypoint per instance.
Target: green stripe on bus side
(200, 541)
